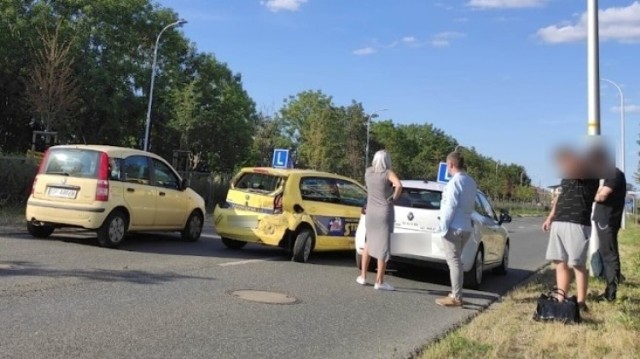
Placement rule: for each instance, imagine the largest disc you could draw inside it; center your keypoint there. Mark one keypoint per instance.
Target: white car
(413, 240)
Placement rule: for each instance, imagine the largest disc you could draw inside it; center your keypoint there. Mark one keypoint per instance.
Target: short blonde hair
(381, 161)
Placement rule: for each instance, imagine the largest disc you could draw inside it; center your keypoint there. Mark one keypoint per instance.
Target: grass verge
(506, 330)
(11, 216)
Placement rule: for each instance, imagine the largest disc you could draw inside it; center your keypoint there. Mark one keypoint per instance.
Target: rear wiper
(59, 173)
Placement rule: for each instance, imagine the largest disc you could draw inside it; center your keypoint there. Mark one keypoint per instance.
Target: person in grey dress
(383, 189)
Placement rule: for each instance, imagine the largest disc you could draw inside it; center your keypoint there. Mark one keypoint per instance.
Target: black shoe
(583, 307)
(610, 292)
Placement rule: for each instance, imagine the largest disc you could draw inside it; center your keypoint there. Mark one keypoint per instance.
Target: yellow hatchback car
(299, 210)
(111, 190)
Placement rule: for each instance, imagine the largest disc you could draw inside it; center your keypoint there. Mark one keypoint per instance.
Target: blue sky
(506, 76)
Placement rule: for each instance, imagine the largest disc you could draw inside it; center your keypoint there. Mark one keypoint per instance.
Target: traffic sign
(443, 175)
(281, 158)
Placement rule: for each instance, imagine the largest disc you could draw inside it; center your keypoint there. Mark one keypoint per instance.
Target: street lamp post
(374, 114)
(458, 146)
(622, 144)
(153, 76)
(497, 179)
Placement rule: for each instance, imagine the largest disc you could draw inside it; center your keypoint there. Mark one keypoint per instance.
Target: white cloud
(365, 51)
(440, 43)
(505, 4)
(627, 109)
(283, 5)
(444, 39)
(621, 24)
(409, 40)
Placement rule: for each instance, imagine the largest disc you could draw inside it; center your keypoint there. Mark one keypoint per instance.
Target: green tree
(52, 91)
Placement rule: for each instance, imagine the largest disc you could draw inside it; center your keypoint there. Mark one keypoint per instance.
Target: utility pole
(593, 93)
(373, 115)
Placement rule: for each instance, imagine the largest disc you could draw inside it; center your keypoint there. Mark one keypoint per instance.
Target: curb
(11, 230)
(534, 274)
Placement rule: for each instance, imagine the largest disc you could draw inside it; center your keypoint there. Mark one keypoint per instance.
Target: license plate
(62, 192)
(243, 221)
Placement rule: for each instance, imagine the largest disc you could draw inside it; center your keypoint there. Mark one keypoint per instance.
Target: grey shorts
(569, 242)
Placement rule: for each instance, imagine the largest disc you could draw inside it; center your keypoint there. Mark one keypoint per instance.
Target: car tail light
(102, 189)
(277, 204)
(364, 209)
(41, 166)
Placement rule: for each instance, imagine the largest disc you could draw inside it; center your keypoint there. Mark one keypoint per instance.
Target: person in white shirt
(456, 207)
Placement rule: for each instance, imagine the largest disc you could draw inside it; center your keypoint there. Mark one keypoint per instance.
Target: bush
(16, 178)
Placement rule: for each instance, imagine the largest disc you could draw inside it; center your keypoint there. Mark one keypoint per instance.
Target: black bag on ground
(551, 308)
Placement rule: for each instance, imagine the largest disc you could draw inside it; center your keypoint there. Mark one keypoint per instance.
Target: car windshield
(259, 182)
(419, 198)
(72, 162)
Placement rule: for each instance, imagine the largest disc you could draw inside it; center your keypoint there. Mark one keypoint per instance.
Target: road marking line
(248, 261)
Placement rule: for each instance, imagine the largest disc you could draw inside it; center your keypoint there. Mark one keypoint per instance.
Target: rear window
(331, 190)
(73, 163)
(419, 198)
(259, 182)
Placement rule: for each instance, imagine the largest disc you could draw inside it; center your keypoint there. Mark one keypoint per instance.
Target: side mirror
(504, 217)
(184, 184)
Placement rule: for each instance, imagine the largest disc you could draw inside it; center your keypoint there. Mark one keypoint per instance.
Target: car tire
(504, 266)
(233, 244)
(303, 246)
(113, 230)
(193, 228)
(473, 278)
(39, 231)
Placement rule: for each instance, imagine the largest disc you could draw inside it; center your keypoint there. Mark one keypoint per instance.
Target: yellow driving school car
(299, 210)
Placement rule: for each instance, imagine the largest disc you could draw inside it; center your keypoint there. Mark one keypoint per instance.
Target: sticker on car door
(335, 226)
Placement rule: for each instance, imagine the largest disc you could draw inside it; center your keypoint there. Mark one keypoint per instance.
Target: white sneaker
(360, 280)
(383, 286)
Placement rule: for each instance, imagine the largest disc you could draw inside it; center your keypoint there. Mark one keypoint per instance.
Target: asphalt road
(158, 297)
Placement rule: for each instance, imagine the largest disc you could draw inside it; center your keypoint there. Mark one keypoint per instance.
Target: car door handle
(131, 190)
(162, 194)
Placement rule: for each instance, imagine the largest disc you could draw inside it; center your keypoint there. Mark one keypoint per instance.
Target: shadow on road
(24, 269)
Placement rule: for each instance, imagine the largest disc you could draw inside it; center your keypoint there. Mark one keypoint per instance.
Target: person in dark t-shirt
(569, 225)
(610, 201)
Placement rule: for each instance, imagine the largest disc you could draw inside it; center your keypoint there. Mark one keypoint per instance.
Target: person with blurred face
(569, 224)
(607, 215)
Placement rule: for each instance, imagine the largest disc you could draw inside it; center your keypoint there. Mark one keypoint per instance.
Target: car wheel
(473, 278)
(504, 266)
(39, 231)
(232, 243)
(193, 229)
(303, 246)
(113, 230)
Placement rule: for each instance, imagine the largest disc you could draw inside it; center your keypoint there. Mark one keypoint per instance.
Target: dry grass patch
(506, 329)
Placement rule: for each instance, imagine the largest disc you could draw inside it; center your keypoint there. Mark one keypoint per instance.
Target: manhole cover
(262, 296)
